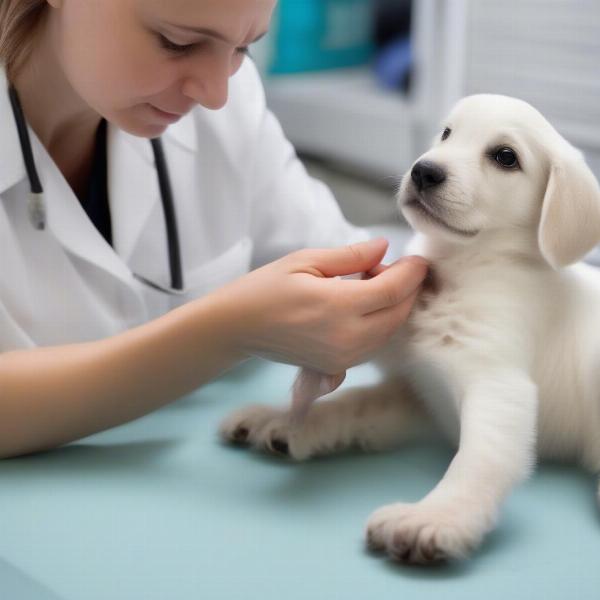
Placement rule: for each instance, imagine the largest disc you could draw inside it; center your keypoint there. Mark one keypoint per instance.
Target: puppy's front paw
(266, 428)
(425, 532)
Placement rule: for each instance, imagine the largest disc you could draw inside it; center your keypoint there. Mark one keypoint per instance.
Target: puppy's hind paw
(266, 428)
(243, 425)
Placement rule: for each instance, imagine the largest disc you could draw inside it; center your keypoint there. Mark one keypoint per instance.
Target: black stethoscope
(37, 209)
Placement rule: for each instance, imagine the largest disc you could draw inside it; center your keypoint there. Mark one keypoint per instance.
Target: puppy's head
(497, 164)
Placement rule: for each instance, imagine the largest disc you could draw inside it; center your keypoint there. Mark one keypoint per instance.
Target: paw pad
(279, 446)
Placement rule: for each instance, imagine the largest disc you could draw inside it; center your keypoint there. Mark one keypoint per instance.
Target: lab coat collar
(12, 168)
(133, 189)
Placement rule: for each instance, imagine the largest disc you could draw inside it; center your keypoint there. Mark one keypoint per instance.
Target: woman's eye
(446, 133)
(507, 158)
(167, 44)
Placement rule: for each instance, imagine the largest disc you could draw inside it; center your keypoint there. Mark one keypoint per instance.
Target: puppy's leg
(496, 450)
(368, 417)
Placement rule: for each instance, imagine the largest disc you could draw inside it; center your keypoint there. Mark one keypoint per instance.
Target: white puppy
(502, 350)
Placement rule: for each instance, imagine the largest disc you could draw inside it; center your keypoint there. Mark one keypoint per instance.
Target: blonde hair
(19, 21)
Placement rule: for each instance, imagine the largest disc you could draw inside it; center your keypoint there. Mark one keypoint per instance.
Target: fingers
(390, 286)
(376, 270)
(387, 320)
(346, 260)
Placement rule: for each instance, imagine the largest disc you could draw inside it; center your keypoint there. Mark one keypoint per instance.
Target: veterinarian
(141, 181)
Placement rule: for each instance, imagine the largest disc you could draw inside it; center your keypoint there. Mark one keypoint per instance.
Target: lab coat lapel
(69, 223)
(139, 229)
(133, 189)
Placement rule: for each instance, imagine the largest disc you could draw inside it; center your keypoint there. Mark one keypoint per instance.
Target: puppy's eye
(446, 134)
(506, 158)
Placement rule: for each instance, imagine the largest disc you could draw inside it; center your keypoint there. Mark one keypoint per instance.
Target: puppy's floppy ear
(570, 222)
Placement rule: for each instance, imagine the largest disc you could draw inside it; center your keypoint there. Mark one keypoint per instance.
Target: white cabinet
(343, 115)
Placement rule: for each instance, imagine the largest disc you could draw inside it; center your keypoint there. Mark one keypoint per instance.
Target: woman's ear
(570, 222)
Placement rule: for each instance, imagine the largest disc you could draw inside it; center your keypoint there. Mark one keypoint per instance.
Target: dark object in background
(393, 60)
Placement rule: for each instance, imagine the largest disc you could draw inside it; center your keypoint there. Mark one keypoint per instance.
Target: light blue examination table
(160, 509)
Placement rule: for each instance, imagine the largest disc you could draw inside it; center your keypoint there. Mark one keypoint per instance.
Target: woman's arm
(50, 396)
(293, 310)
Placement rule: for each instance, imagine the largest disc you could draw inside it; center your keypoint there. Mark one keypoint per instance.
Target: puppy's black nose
(427, 174)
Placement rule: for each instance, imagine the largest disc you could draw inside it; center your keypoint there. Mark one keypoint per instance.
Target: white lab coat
(241, 197)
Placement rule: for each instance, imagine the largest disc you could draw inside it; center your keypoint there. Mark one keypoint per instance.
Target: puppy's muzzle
(426, 174)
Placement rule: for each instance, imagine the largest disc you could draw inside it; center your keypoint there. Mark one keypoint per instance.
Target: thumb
(346, 260)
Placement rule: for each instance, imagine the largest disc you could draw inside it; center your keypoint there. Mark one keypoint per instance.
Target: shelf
(344, 116)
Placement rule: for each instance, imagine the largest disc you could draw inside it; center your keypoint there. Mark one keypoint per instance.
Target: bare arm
(50, 396)
(293, 310)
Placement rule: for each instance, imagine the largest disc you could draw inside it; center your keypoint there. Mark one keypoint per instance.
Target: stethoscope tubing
(166, 195)
(37, 211)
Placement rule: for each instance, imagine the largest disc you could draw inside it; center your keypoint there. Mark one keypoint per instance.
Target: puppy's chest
(441, 318)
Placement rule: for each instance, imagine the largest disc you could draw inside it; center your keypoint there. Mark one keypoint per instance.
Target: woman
(106, 313)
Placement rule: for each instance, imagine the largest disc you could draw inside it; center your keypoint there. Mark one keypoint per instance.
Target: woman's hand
(298, 310)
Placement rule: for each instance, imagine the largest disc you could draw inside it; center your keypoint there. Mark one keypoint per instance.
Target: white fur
(502, 351)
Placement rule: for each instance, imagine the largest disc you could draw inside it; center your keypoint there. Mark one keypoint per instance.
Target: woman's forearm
(50, 396)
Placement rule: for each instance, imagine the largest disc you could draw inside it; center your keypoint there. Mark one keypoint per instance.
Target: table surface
(160, 509)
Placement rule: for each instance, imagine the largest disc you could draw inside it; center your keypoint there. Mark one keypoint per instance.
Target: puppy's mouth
(423, 209)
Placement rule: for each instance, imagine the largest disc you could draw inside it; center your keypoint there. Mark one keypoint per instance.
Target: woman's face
(141, 64)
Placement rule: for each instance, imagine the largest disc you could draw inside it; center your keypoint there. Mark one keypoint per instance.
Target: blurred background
(360, 86)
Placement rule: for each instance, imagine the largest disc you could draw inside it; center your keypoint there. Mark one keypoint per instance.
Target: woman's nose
(208, 84)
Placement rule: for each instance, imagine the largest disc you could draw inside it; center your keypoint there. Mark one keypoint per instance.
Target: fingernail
(415, 259)
(376, 241)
